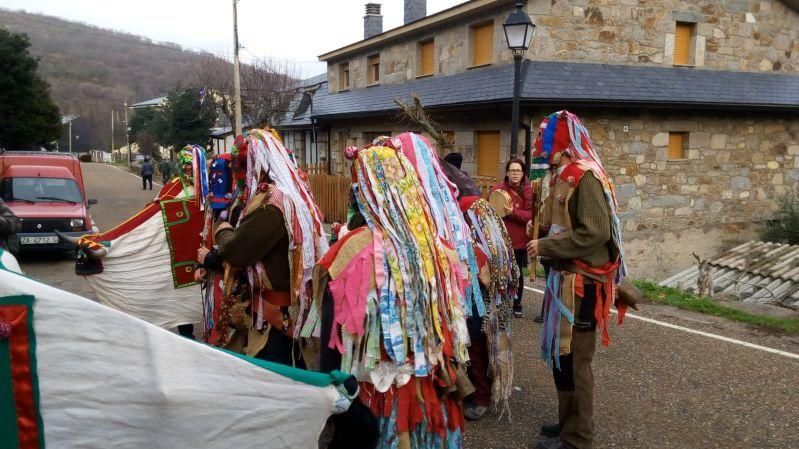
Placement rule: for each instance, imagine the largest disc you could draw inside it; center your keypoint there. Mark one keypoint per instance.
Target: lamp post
(519, 31)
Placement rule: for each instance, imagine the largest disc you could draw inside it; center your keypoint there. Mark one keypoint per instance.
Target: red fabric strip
(19, 349)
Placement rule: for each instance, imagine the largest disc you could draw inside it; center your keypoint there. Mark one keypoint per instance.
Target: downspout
(528, 135)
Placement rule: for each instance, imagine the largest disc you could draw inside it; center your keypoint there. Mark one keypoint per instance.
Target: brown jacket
(260, 236)
(583, 212)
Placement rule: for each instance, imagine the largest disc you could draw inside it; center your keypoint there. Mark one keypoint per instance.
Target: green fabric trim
(167, 225)
(314, 378)
(8, 414)
(27, 301)
(2, 267)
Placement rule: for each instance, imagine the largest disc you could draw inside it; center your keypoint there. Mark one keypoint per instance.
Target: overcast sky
(298, 31)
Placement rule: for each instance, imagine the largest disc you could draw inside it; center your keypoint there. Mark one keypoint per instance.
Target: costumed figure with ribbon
(394, 293)
(491, 358)
(270, 251)
(145, 265)
(224, 200)
(583, 248)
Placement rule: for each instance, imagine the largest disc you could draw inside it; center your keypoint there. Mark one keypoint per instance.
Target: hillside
(91, 71)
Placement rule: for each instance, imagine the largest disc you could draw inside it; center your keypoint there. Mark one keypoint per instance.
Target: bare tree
(415, 114)
(267, 87)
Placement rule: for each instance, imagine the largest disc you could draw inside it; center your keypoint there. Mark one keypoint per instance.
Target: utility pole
(112, 133)
(70, 136)
(127, 134)
(236, 71)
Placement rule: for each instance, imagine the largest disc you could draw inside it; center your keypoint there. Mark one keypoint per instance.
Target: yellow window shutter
(483, 44)
(374, 69)
(488, 153)
(426, 67)
(677, 145)
(682, 43)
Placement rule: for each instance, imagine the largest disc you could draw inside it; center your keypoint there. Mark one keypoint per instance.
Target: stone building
(693, 105)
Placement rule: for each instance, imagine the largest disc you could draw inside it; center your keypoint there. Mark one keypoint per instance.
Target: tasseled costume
(497, 273)
(398, 290)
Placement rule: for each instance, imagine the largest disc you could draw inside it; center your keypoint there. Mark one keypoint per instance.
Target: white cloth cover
(136, 279)
(8, 261)
(109, 380)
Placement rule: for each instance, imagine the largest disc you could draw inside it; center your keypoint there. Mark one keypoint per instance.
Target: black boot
(550, 430)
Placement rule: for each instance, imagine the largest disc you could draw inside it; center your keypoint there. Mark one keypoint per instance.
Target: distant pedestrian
(166, 170)
(146, 173)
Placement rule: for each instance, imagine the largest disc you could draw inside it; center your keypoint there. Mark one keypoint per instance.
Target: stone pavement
(657, 387)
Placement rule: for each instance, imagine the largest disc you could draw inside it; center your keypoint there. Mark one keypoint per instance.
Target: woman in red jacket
(519, 212)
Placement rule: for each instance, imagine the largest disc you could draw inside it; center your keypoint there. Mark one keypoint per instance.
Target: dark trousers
(575, 378)
(478, 371)
(521, 261)
(145, 179)
(186, 330)
(282, 349)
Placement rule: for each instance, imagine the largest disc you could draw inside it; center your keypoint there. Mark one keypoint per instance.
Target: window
(677, 144)
(683, 34)
(426, 50)
(344, 76)
(373, 62)
(483, 44)
(487, 153)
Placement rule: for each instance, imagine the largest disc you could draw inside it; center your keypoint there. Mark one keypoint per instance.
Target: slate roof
(559, 83)
(759, 272)
(153, 102)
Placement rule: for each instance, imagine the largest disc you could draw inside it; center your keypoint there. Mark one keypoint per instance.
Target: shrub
(85, 158)
(784, 226)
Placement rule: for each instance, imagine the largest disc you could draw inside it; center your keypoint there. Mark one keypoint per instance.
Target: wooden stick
(536, 185)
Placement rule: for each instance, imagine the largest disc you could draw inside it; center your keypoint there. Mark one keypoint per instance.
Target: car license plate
(39, 240)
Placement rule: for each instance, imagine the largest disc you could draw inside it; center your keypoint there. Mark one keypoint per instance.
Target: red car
(46, 191)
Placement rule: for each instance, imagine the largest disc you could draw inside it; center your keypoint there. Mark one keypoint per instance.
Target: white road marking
(697, 332)
(135, 175)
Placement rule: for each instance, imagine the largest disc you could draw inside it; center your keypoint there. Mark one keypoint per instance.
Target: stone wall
(352, 132)
(737, 165)
(746, 35)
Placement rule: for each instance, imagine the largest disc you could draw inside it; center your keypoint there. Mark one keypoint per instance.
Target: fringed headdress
(194, 155)
(268, 159)
(499, 278)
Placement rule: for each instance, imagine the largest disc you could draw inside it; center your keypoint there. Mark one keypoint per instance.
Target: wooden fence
(332, 192)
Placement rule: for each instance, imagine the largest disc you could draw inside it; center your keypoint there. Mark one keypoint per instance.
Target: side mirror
(91, 202)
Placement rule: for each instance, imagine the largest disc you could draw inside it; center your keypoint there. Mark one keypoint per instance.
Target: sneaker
(474, 412)
(550, 430)
(517, 312)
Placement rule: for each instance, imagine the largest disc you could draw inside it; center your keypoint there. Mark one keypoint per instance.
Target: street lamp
(519, 31)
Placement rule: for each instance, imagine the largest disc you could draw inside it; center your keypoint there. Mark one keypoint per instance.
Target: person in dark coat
(166, 170)
(10, 225)
(147, 173)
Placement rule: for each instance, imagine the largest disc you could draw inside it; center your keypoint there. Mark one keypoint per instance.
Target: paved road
(119, 196)
(657, 387)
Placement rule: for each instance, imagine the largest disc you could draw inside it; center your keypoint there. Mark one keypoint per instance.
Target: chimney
(415, 10)
(372, 21)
